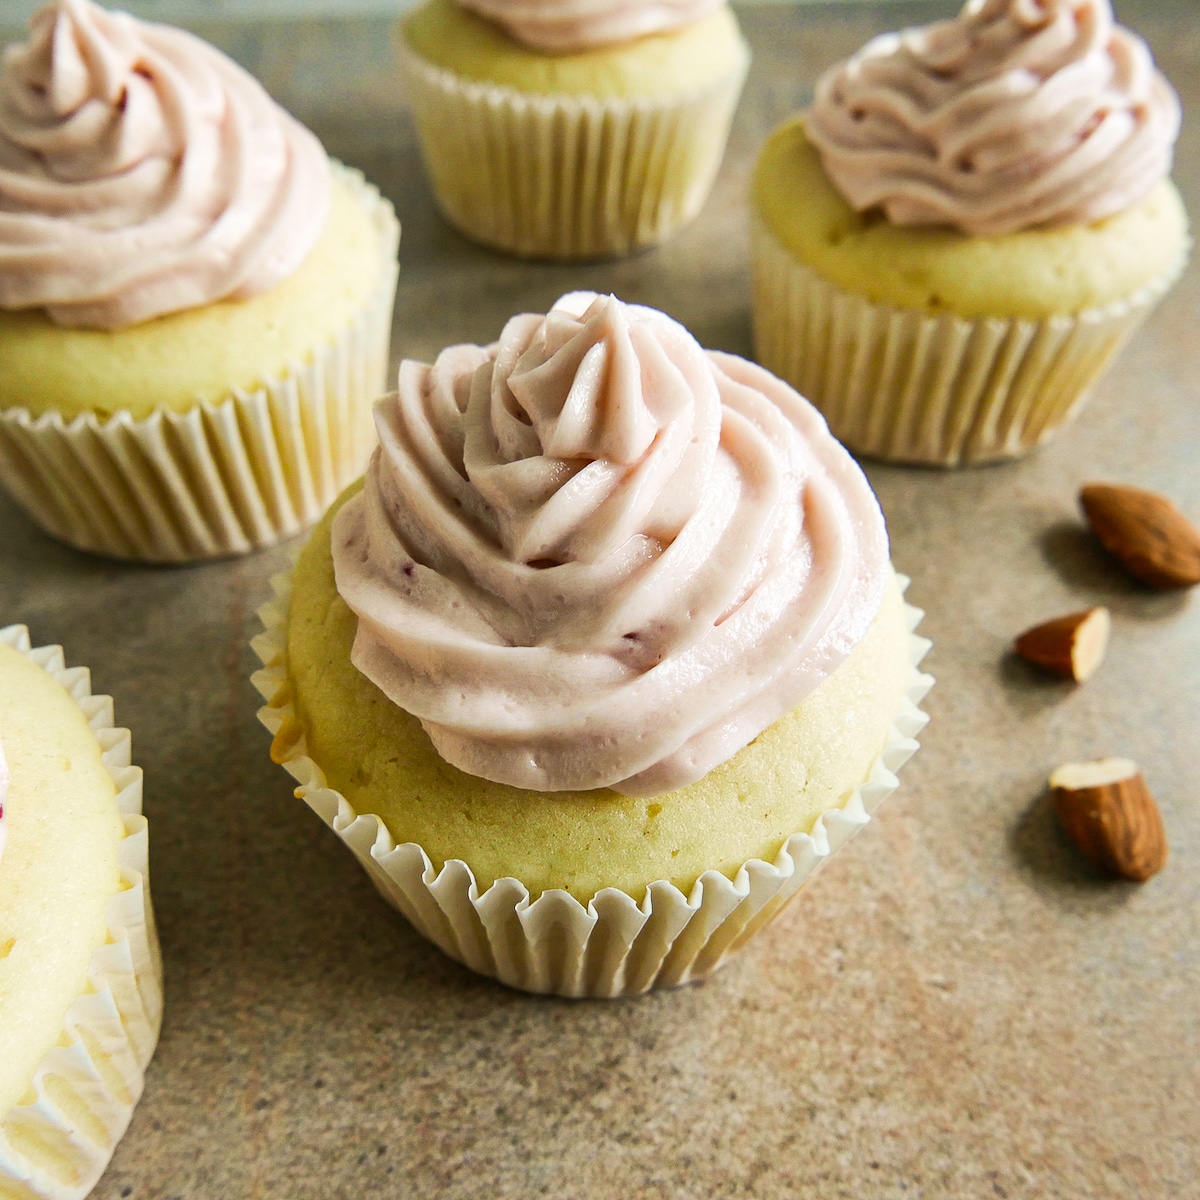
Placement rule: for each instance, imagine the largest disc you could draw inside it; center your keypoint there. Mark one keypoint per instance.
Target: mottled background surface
(960, 1007)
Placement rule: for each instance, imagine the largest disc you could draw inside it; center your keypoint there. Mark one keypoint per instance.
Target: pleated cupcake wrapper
(57, 1141)
(941, 390)
(615, 945)
(219, 478)
(567, 177)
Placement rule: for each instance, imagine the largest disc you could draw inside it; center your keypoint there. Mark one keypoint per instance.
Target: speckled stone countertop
(959, 1007)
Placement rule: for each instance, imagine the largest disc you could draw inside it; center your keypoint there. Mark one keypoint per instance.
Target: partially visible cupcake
(195, 303)
(955, 241)
(572, 129)
(80, 976)
(605, 657)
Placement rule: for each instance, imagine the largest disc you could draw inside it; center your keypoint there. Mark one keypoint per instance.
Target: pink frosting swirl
(142, 172)
(559, 26)
(1015, 114)
(596, 555)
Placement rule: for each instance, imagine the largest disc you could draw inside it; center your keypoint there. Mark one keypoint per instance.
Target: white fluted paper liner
(220, 478)
(614, 945)
(907, 386)
(567, 177)
(55, 1144)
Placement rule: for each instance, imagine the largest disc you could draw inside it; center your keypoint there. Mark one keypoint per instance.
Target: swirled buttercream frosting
(143, 172)
(596, 555)
(560, 26)
(1015, 114)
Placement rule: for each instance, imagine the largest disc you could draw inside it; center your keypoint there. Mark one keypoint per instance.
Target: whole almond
(1108, 812)
(1145, 532)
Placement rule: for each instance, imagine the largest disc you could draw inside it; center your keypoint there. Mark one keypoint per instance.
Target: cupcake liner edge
(562, 176)
(903, 385)
(505, 933)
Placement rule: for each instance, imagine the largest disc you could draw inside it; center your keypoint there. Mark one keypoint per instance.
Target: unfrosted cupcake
(955, 241)
(195, 303)
(602, 660)
(572, 129)
(80, 978)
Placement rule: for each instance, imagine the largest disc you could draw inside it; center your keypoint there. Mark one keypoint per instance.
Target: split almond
(1108, 812)
(1071, 647)
(1145, 532)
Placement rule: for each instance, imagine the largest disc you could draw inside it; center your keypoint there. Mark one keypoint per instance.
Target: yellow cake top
(198, 354)
(1035, 273)
(383, 762)
(59, 869)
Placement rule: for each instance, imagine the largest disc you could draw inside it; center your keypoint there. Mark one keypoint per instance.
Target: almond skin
(1072, 647)
(1145, 532)
(1108, 812)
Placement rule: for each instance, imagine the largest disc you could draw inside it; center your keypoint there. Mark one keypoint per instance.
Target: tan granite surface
(960, 1007)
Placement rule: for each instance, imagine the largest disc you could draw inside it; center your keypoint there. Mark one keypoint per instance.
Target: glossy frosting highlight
(1014, 115)
(142, 172)
(596, 555)
(564, 26)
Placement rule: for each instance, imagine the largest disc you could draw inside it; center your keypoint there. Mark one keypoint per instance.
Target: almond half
(1108, 812)
(1071, 647)
(1145, 532)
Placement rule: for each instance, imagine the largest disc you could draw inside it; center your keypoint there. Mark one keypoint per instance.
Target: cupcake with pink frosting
(195, 302)
(572, 129)
(952, 244)
(604, 657)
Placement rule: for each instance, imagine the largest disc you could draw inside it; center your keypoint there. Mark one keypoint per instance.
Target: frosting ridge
(596, 555)
(143, 172)
(560, 26)
(1012, 115)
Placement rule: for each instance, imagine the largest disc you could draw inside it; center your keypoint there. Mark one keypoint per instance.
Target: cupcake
(80, 977)
(954, 242)
(195, 302)
(567, 130)
(604, 657)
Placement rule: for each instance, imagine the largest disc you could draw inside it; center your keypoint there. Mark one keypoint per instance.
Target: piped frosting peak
(563, 26)
(596, 555)
(1013, 115)
(143, 172)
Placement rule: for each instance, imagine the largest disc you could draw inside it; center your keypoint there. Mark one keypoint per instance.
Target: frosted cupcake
(572, 129)
(952, 245)
(603, 659)
(195, 303)
(80, 978)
